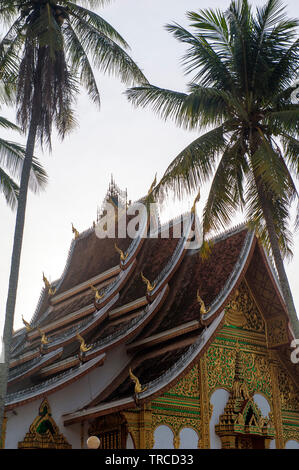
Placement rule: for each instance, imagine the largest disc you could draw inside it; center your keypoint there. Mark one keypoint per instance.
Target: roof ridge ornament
(97, 294)
(203, 310)
(123, 256)
(44, 340)
(27, 325)
(150, 287)
(138, 387)
(83, 347)
(50, 290)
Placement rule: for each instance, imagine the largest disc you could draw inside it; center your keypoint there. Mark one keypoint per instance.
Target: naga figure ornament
(138, 387)
(203, 310)
(150, 287)
(97, 295)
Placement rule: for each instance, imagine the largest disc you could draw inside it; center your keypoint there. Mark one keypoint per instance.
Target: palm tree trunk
(283, 279)
(15, 264)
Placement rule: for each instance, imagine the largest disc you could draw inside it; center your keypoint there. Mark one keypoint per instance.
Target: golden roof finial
(150, 287)
(83, 347)
(195, 201)
(138, 387)
(203, 310)
(44, 339)
(123, 256)
(27, 325)
(46, 282)
(97, 295)
(75, 231)
(48, 286)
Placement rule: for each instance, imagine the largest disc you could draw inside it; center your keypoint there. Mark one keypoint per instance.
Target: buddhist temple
(146, 344)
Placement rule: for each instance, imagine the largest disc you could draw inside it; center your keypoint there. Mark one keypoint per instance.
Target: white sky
(132, 144)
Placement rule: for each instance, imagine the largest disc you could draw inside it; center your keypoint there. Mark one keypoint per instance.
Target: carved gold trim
(139, 424)
(290, 433)
(277, 332)
(3, 435)
(204, 442)
(44, 432)
(276, 402)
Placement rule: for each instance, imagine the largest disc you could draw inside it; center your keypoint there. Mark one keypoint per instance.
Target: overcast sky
(131, 144)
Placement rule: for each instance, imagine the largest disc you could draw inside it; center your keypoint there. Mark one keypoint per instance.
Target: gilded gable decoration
(43, 432)
(242, 311)
(242, 425)
(288, 394)
(221, 366)
(277, 332)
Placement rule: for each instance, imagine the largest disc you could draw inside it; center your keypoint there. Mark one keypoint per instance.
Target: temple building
(146, 344)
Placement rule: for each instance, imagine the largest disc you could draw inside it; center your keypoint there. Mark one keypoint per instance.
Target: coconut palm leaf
(226, 191)
(194, 165)
(98, 23)
(9, 189)
(243, 67)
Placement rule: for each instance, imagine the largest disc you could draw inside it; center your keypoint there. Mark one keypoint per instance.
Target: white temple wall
(130, 442)
(219, 399)
(262, 403)
(292, 444)
(67, 400)
(265, 408)
(188, 439)
(163, 437)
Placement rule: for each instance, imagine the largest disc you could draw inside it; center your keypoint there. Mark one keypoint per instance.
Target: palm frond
(46, 30)
(209, 67)
(80, 64)
(91, 3)
(226, 191)
(268, 167)
(202, 107)
(8, 10)
(291, 152)
(6, 124)
(9, 188)
(11, 160)
(284, 120)
(97, 22)
(10, 47)
(285, 70)
(107, 55)
(213, 25)
(267, 16)
(193, 166)
(240, 19)
(280, 209)
(166, 103)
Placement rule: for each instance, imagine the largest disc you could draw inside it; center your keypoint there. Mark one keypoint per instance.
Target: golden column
(276, 402)
(204, 442)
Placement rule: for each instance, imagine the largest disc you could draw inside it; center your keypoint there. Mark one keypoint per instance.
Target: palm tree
(48, 52)
(244, 67)
(12, 157)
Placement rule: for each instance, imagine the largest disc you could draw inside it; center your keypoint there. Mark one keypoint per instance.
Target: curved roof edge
(52, 385)
(234, 278)
(157, 386)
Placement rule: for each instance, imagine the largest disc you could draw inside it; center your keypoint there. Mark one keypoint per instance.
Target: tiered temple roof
(160, 325)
